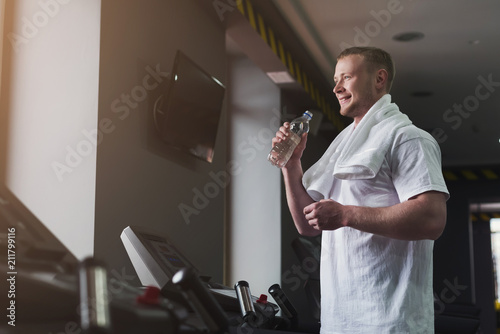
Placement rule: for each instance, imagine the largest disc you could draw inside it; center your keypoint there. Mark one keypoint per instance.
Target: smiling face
(357, 87)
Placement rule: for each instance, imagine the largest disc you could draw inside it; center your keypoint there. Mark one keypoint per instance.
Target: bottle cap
(308, 114)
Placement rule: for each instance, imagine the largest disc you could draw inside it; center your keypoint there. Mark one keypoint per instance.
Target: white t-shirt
(374, 284)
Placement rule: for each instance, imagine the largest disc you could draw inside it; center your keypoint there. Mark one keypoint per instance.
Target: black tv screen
(191, 109)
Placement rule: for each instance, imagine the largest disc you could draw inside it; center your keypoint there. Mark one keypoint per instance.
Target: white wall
(255, 196)
(54, 52)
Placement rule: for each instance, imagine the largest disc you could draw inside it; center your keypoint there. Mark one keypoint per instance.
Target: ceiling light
(280, 77)
(410, 36)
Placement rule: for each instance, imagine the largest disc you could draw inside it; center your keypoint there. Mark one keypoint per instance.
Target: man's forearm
(297, 198)
(423, 217)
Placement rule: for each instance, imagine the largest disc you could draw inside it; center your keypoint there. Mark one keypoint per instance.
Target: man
(378, 198)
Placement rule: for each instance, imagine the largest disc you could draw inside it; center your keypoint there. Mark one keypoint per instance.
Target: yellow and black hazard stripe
(323, 100)
(484, 216)
(472, 174)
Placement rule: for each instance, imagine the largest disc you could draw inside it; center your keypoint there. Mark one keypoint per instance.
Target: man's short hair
(376, 59)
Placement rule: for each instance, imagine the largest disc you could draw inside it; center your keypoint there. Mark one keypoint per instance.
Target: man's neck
(360, 117)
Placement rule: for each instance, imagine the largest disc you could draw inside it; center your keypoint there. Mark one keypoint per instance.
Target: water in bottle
(282, 151)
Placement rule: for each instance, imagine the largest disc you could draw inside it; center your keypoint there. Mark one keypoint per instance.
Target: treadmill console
(156, 260)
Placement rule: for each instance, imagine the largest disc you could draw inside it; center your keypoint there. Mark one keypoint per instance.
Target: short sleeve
(416, 166)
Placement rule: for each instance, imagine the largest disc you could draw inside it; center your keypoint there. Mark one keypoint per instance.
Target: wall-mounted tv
(188, 116)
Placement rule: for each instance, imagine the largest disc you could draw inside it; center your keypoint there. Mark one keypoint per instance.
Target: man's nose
(338, 88)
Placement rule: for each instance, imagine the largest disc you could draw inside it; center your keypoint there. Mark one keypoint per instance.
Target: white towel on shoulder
(358, 153)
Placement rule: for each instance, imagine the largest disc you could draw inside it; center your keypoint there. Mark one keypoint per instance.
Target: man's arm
(421, 217)
(296, 195)
(298, 198)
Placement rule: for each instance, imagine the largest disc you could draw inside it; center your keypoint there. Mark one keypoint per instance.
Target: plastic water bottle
(281, 152)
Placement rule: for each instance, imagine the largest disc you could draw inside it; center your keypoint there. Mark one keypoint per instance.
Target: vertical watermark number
(11, 276)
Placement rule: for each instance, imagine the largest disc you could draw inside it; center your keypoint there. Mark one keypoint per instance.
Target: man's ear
(381, 78)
